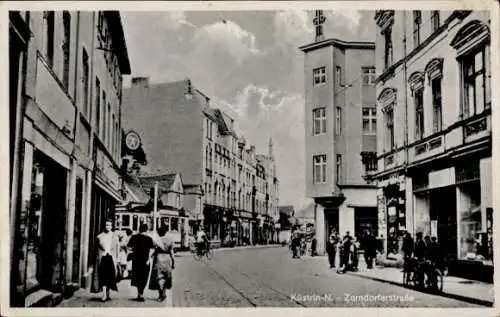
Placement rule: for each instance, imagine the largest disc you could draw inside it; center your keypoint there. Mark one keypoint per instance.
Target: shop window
(174, 224)
(473, 241)
(125, 221)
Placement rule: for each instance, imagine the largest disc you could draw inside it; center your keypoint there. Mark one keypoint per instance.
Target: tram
(177, 224)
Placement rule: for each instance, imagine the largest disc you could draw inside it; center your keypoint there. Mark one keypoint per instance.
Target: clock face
(133, 141)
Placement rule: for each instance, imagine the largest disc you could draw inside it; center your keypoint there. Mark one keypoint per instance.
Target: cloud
(259, 114)
(176, 19)
(292, 27)
(225, 37)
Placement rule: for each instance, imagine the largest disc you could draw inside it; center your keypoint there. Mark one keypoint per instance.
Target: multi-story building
(199, 142)
(434, 136)
(340, 126)
(66, 147)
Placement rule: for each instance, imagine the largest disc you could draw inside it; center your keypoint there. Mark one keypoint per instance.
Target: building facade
(199, 142)
(434, 140)
(340, 126)
(59, 153)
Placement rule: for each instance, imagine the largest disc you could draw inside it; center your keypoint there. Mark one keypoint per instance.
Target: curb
(247, 248)
(463, 298)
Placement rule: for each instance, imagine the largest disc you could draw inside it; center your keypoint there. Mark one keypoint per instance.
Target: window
(49, 37)
(319, 76)
(389, 127)
(338, 75)
(126, 221)
(388, 47)
(417, 22)
(369, 115)
(117, 140)
(319, 121)
(339, 168)
(97, 105)
(85, 83)
(338, 120)
(368, 74)
(108, 126)
(319, 169)
(437, 116)
(419, 113)
(102, 126)
(66, 47)
(435, 20)
(113, 135)
(474, 84)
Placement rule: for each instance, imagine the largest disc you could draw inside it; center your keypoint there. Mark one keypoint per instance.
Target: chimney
(140, 82)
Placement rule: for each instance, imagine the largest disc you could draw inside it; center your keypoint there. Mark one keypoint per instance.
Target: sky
(249, 64)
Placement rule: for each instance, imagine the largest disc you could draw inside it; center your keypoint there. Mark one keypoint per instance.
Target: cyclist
(202, 242)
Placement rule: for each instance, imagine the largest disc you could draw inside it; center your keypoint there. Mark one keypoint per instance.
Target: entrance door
(365, 218)
(53, 225)
(331, 222)
(443, 208)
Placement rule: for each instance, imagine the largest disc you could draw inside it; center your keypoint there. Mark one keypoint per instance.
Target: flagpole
(155, 206)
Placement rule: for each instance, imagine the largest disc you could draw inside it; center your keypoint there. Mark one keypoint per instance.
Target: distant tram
(177, 225)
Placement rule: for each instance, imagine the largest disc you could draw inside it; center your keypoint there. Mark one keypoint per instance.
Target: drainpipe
(405, 67)
(406, 93)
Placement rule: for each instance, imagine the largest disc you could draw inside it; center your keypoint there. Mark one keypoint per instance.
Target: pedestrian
(141, 245)
(407, 248)
(330, 250)
(369, 249)
(355, 254)
(295, 243)
(314, 243)
(420, 247)
(107, 254)
(346, 252)
(163, 264)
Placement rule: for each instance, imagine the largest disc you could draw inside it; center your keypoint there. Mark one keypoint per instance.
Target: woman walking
(163, 264)
(108, 248)
(141, 245)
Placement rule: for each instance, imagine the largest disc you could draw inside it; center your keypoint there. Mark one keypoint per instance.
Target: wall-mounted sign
(132, 140)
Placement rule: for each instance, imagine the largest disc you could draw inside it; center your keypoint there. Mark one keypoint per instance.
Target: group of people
(348, 248)
(152, 260)
(423, 248)
(298, 244)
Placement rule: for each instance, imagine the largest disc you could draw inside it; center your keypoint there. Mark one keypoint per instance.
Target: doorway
(443, 206)
(331, 222)
(47, 225)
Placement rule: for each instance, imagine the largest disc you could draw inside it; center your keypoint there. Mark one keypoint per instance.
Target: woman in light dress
(107, 255)
(163, 264)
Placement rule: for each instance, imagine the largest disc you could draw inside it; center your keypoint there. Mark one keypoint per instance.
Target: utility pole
(155, 206)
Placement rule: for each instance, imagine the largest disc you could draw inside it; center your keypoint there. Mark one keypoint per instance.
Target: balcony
(426, 148)
(477, 129)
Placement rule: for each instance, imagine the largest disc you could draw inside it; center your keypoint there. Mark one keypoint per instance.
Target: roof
(338, 43)
(116, 30)
(135, 190)
(165, 181)
(215, 114)
(288, 210)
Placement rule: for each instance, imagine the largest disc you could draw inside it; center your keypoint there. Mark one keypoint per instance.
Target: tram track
(254, 281)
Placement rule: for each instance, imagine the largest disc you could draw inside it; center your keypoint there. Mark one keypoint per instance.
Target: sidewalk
(453, 287)
(125, 297)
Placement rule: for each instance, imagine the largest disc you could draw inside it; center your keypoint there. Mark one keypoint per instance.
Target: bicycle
(425, 275)
(198, 253)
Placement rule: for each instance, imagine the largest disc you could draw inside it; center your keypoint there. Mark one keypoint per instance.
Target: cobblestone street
(265, 277)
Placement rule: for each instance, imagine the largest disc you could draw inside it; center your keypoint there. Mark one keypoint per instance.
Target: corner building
(434, 140)
(340, 135)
